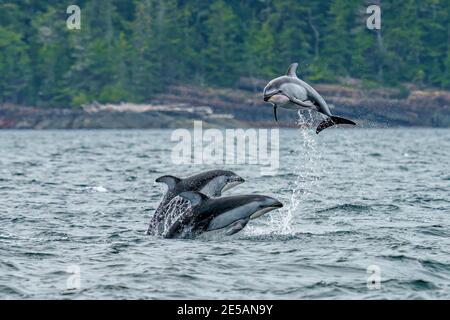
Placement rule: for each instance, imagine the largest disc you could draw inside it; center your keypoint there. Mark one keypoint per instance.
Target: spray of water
(306, 184)
(174, 210)
(307, 172)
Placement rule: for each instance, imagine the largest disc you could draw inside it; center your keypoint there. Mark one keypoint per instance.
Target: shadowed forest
(131, 50)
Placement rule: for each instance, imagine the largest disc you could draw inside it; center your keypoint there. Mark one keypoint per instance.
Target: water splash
(174, 210)
(307, 173)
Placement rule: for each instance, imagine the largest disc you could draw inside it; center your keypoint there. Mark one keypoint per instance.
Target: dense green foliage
(130, 49)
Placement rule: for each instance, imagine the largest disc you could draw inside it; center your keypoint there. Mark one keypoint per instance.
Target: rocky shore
(178, 106)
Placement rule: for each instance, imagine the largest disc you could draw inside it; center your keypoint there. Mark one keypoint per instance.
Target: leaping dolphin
(229, 213)
(292, 93)
(211, 183)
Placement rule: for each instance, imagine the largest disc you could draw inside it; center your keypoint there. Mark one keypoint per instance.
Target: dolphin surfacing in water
(211, 183)
(290, 92)
(228, 213)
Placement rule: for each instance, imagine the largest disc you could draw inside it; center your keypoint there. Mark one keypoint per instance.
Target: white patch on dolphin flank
(259, 213)
(230, 185)
(216, 184)
(227, 218)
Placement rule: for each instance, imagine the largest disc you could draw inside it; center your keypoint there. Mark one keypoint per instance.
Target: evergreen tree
(128, 50)
(403, 41)
(223, 49)
(144, 75)
(339, 40)
(260, 50)
(14, 67)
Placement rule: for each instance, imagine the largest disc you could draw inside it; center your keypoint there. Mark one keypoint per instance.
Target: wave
(346, 207)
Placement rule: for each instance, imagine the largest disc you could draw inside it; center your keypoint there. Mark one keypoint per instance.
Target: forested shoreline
(132, 50)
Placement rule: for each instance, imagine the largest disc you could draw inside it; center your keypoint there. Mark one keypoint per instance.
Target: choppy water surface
(353, 198)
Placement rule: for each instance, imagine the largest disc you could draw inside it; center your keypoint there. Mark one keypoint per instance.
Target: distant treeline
(130, 49)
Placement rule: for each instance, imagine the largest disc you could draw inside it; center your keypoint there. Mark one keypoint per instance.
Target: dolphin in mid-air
(228, 213)
(211, 183)
(292, 93)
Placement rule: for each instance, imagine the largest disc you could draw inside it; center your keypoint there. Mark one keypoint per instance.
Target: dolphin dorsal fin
(292, 70)
(195, 198)
(170, 181)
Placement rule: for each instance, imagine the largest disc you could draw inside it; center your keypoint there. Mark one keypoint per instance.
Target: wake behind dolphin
(292, 93)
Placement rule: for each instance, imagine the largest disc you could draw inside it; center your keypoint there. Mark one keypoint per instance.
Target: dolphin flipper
(275, 112)
(237, 226)
(331, 122)
(303, 104)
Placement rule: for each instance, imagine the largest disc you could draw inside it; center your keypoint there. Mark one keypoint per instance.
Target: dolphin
(292, 93)
(230, 214)
(211, 183)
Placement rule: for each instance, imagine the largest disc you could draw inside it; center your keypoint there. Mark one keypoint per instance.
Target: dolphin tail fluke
(331, 122)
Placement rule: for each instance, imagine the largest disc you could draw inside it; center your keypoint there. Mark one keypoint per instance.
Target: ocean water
(75, 205)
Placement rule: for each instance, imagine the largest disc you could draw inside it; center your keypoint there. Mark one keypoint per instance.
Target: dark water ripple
(366, 197)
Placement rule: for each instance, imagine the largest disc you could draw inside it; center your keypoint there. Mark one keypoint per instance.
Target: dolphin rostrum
(228, 213)
(292, 93)
(211, 183)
